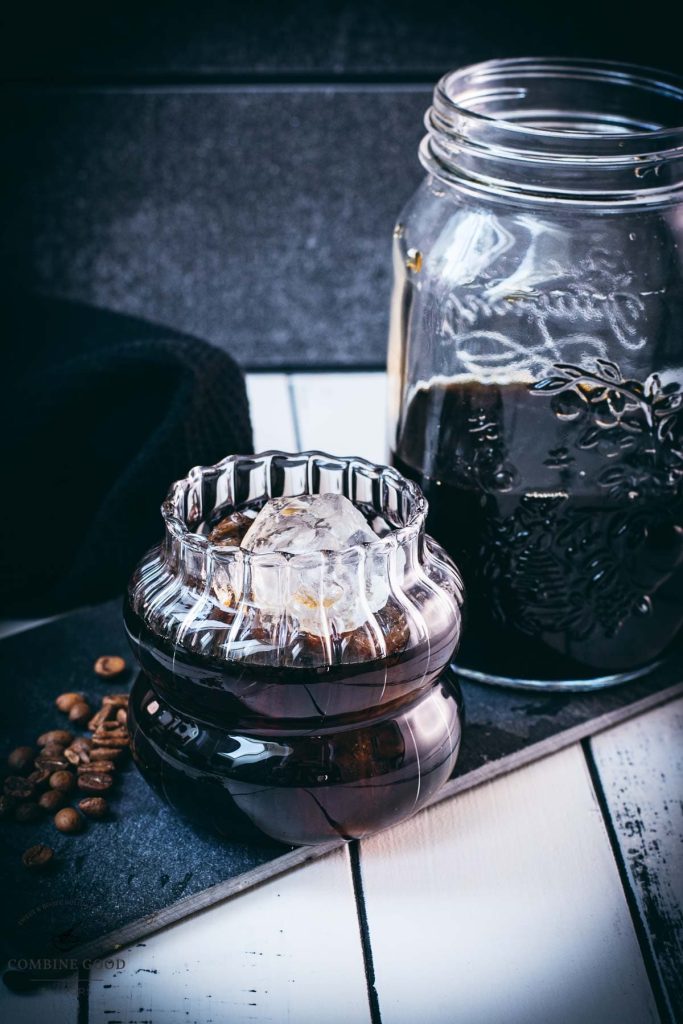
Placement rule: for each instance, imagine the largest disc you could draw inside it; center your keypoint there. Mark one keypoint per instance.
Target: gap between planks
(339, 413)
(639, 769)
(505, 905)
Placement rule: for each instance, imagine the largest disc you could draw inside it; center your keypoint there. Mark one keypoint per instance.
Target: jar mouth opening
(551, 129)
(504, 93)
(240, 478)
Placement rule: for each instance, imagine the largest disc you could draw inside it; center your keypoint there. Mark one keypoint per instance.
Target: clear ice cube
(328, 594)
(309, 522)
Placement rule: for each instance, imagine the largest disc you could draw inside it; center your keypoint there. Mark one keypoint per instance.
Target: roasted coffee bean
(111, 739)
(110, 726)
(63, 781)
(122, 716)
(95, 782)
(52, 800)
(68, 820)
(96, 766)
(109, 665)
(115, 700)
(53, 764)
(7, 805)
(18, 787)
(20, 760)
(81, 743)
(80, 713)
(62, 736)
(66, 701)
(51, 750)
(27, 811)
(106, 754)
(94, 806)
(37, 857)
(40, 777)
(99, 719)
(79, 751)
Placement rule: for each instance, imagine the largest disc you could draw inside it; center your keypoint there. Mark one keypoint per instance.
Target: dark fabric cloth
(100, 414)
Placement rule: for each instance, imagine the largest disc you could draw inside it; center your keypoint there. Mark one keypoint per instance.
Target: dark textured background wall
(235, 171)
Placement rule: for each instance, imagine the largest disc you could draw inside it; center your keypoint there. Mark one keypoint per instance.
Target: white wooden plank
(288, 950)
(342, 413)
(54, 1002)
(504, 905)
(271, 412)
(640, 764)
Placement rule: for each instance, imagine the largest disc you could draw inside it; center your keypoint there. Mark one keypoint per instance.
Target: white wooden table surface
(552, 894)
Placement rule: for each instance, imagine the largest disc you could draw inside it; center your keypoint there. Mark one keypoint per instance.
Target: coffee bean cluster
(62, 768)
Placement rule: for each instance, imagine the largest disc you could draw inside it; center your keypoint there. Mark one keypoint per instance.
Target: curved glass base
(570, 685)
(346, 778)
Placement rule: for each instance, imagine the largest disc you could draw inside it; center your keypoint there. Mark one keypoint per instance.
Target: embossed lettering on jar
(535, 360)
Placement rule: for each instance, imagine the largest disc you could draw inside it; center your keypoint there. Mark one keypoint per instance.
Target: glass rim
(591, 70)
(177, 526)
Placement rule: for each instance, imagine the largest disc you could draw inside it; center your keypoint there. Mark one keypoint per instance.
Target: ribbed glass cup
(327, 711)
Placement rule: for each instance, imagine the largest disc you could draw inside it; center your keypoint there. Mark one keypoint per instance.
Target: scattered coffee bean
(52, 764)
(68, 820)
(52, 800)
(27, 811)
(40, 777)
(98, 719)
(95, 760)
(21, 758)
(109, 665)
(111, 739)
(66, 701)
(18, 788)
(62, 736)
(96, 766)
(106, 753)
(62, 780)
(80, 713)
(95, 782)
(7, 805)
(115, 700)
(81, 744)
(94, 806)
(51, 750)
(79, 751)
(37, 857)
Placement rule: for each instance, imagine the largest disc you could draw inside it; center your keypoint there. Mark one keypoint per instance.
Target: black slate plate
(144, 868)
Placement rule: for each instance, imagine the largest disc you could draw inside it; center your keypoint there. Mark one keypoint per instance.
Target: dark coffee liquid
(562, 503)
(293, 754)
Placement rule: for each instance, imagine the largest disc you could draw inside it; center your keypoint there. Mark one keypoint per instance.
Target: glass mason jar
(298, 696)
(535, 363)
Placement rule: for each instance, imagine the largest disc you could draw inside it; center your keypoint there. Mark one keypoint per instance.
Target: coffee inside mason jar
(563, 505)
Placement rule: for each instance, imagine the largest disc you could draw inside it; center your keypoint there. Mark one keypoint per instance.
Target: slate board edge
(183, 908)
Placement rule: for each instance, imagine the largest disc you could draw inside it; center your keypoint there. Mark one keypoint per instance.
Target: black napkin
(100, 413)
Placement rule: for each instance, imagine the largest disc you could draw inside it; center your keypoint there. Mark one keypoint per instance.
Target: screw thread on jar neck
(555, 130)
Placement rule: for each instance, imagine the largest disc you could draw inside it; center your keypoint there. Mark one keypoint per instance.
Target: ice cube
(309, 522)
(324, 595)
